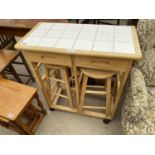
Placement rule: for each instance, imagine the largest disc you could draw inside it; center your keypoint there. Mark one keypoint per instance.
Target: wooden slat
(95, 114)
(37, 66)
(93, 86)
(55, 100)
(63, 96)
(43, 77)
(61, 107)
(57, 80)
(95, 92)
(93, 107)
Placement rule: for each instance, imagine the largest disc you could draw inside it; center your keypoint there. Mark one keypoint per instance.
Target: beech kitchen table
(103, 47)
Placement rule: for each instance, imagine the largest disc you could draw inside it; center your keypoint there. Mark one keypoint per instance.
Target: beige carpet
(59, 122)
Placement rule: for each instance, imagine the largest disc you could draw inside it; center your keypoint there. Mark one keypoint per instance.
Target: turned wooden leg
(84, 86)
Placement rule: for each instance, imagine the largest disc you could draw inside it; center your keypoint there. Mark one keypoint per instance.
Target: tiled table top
(75, 38)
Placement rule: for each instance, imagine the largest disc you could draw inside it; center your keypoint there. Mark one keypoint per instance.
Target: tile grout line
(113, 39)
(95, 37)
(40, 38)
(75, 40)
(60, 36)
(44, 36)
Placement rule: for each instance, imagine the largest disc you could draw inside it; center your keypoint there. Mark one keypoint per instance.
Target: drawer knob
(100, 62)
(42, 56)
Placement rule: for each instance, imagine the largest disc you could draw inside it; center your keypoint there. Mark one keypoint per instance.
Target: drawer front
(49, 58)
(102, 63)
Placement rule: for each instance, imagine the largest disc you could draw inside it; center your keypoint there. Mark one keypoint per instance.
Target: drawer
(49, 58)
(102, 63)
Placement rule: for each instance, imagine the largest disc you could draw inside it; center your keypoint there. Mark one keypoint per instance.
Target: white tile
(87, 36)
(47, 42)
(103, 46)
(122, 37)
(54, 33)
(70, 34)
(124, 47)
(106, 28)
(83, 45)
(89, 28)
(104, 36)
(38, 33)
(74, 27)
(31, 41)
(123, 29)
(65, 43)
(59, 26)
(45, 26)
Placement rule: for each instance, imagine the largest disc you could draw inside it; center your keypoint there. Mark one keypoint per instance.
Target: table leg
(75, 72)
(120, 90)
(38, 79)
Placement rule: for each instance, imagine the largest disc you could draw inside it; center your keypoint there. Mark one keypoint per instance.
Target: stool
(55, 80)
(7, 43)
(107, 92)
(17, 111)
(6, 59)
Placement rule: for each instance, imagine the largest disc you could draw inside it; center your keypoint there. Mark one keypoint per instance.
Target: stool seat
(97, 74)
(14, 97)
(6, 57)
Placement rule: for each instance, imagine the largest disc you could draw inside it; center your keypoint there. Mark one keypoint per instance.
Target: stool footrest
(58, 80)
(55, 99)
(95, 92)
(59, 95)
(100, 87)
(93, 107)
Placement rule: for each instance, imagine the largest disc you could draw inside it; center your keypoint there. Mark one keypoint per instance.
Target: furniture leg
(15, 73)
(108, 97)
(120, 91)
(68, 87)
(26, 65)
(84, 86)
(77, 91)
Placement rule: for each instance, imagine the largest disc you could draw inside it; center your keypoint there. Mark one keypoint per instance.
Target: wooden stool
(55, 79)
(7, 43)
(60, 78)
(105, 111)
(16, 108)
(6, 59)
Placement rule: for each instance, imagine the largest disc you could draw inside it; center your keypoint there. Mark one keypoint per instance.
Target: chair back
(7, 42)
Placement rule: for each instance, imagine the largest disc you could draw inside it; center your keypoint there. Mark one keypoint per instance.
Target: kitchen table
(103, 47)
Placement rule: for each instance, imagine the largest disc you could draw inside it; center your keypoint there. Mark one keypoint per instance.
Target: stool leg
(66, 78)
(84, 86)
(15, 73)
(26, 66)
(108, 97)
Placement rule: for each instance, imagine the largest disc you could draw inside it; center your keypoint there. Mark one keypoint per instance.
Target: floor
(63, 123)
